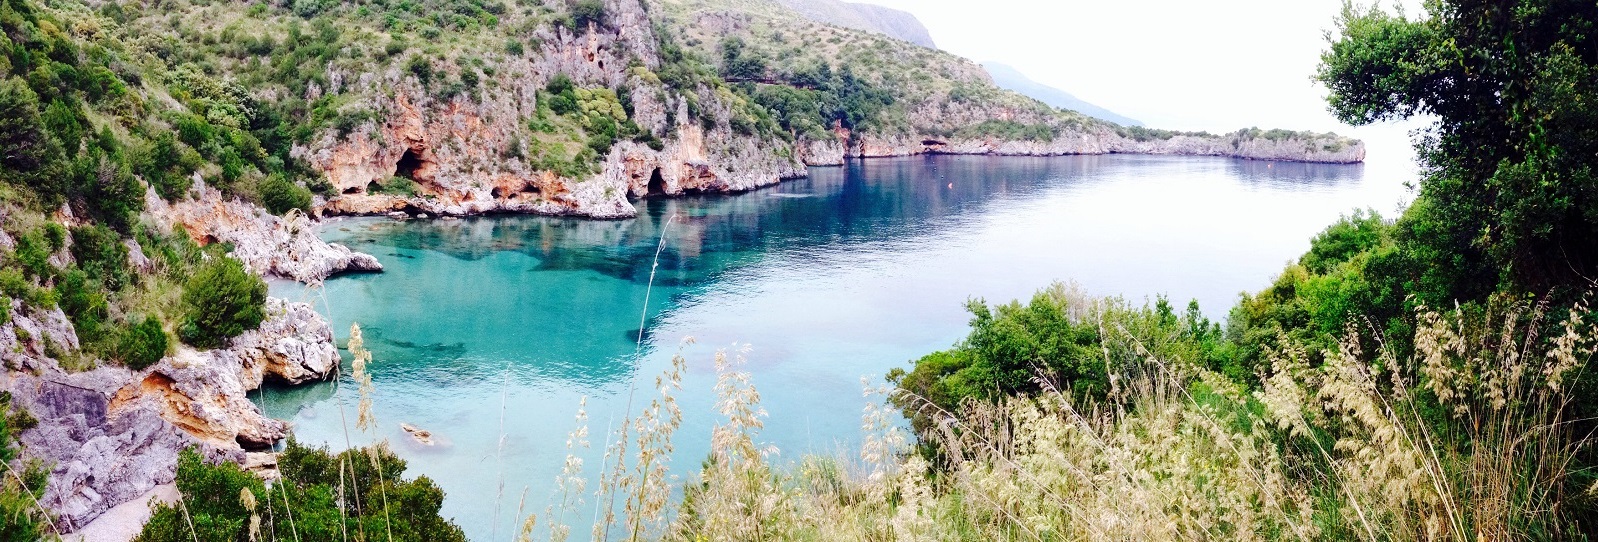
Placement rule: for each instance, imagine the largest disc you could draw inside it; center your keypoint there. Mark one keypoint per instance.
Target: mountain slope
(1009, 78)
(868, 17)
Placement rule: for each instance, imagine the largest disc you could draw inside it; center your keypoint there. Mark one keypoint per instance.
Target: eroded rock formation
(285, 247)
(112, 434)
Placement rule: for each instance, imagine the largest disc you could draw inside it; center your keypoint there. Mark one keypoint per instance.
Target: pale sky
(1176, 64)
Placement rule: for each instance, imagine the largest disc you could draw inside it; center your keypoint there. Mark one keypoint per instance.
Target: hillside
(1009, 78)
(890, 22)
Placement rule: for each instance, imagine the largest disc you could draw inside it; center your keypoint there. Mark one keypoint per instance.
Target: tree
(1509, 196)
(221, 300)
(142, 344)
(26, 148)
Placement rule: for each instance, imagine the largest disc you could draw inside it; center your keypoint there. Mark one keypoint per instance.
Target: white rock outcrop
(285, 247)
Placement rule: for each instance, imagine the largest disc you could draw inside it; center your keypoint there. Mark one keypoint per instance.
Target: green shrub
(421, 67)
(84, 303)
(34, 249)
(588, 11)
(142, 344)
(560, 84)
(19, 517)
(563, 104)
(221, 300)
(101, 254)
(280, 196)
(402, 510)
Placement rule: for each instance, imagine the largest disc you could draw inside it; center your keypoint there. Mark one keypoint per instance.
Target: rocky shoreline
(682, 167)
(112, 434)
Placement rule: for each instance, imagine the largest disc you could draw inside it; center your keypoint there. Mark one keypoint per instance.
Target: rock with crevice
(101, 456)
(112, 434)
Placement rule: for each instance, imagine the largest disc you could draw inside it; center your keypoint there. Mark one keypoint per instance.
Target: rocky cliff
(112, 434)
(507, 143)
(269, 245)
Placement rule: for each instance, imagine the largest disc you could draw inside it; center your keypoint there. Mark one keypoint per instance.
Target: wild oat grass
(1466, 439)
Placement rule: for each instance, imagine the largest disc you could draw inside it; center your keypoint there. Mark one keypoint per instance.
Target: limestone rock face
(103, 456)
(268, 245)
(112, 434)
(294, 345)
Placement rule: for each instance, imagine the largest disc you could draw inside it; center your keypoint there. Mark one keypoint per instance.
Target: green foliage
(221, 300)
(142, 344)
(1139, 133)
(1060, 340)
(1506, 198)
(738, 63)
(280, 196)
(395, 186)
(160, 163)
(27, 149)
(588, 12)
(1011, 130)
(100, 253)
(1340, 242)
(379, 500)
(84, 302)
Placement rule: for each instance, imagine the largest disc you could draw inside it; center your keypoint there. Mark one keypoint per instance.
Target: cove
(488, 331)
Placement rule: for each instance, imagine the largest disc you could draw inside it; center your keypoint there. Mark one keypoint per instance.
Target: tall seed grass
(1468, 438)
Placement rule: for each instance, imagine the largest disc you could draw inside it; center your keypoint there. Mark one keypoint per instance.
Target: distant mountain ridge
(890, 22)
(1009, 78)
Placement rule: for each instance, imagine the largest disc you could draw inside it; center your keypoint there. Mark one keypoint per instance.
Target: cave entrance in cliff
(408, 164)
(657, 184)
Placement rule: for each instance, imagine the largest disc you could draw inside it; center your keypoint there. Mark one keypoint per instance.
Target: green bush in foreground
(221, 300)
(20, 518)
(223, 502)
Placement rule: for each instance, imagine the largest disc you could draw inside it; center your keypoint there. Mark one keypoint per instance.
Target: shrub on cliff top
(221, 300)
(280, 196)
(142, 344)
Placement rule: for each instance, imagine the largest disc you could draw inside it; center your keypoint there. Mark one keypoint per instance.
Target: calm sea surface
(489, 331)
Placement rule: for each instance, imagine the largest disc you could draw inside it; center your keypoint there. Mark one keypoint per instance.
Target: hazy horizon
(1170, 64)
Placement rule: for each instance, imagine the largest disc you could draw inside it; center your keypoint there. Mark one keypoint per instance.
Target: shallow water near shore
(488, 331)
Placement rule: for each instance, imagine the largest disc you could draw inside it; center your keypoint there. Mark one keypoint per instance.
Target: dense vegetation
(77, 138)
(1417, 378)
(358, 494)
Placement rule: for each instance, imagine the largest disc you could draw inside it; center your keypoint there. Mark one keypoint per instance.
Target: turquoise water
(488, 331)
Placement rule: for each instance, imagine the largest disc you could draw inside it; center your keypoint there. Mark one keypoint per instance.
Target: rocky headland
(473, 153)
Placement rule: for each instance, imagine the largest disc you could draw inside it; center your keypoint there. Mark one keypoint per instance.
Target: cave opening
(657, 184)
(408, 164)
